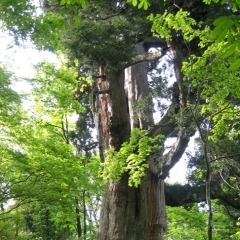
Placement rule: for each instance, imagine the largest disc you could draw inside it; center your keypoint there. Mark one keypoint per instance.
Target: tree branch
(179, 195)
(165, 126)
(174, 155)
(162, 164)
(142, 58)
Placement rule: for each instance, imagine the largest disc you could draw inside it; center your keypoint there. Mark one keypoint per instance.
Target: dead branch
(165, 126)
(142, 58)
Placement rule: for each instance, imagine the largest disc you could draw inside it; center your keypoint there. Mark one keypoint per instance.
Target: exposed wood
(166, 126)
(102, 103)
(131, 213)
(140, 104)
(142, 58)
(161, 164)
(177, 61)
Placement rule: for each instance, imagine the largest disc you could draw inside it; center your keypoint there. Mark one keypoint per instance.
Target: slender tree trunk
(79, 229)
(176, 55)
(207, 177)
(47, 214)
(84, 215)
(16, 226)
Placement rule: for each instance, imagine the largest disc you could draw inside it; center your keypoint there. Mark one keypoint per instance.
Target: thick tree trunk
(130, 213)
(135, 213)
(151, 212)
(114, 129)
(111, 116)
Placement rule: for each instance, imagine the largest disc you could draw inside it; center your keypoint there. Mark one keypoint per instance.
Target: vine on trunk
(131, 157)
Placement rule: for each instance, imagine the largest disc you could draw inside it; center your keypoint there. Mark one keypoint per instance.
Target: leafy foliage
(17, 17)
(10, 102)
(141, 4)
(131, 157)
(53, 24)
(44, 175)
(179, 21)
(54, 88)
(42, 180)
(73, 2)
(189, 222)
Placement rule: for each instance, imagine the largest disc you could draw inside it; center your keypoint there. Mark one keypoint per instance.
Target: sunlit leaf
(235, 65)
(230, 50)
(77, 21)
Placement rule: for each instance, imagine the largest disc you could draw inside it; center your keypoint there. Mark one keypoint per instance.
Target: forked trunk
(138, 213)
(128, 213)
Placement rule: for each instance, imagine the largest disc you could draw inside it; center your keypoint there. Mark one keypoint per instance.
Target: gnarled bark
(136, 213)
(130, 213)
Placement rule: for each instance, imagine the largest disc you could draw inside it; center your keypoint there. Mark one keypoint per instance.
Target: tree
(114, 125)
(189, 222)
(42, 179)
(134, 206)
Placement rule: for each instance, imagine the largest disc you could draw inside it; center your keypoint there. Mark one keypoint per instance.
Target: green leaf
(230, 50)
(134, 3)
(220, 21)
(230, 38)
(140, 5)
(222, 35)
(63, 2)
(146, 5)
(77, 21)
(235, 65)
(84, 4)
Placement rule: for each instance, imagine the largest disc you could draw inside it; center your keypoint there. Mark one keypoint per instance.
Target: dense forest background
(83, 141)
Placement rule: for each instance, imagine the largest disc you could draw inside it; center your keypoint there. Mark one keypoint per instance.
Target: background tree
(41, 176)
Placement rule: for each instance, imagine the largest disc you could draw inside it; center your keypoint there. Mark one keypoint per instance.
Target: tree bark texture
(134, 213)
(137, 93)
(130, 213)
